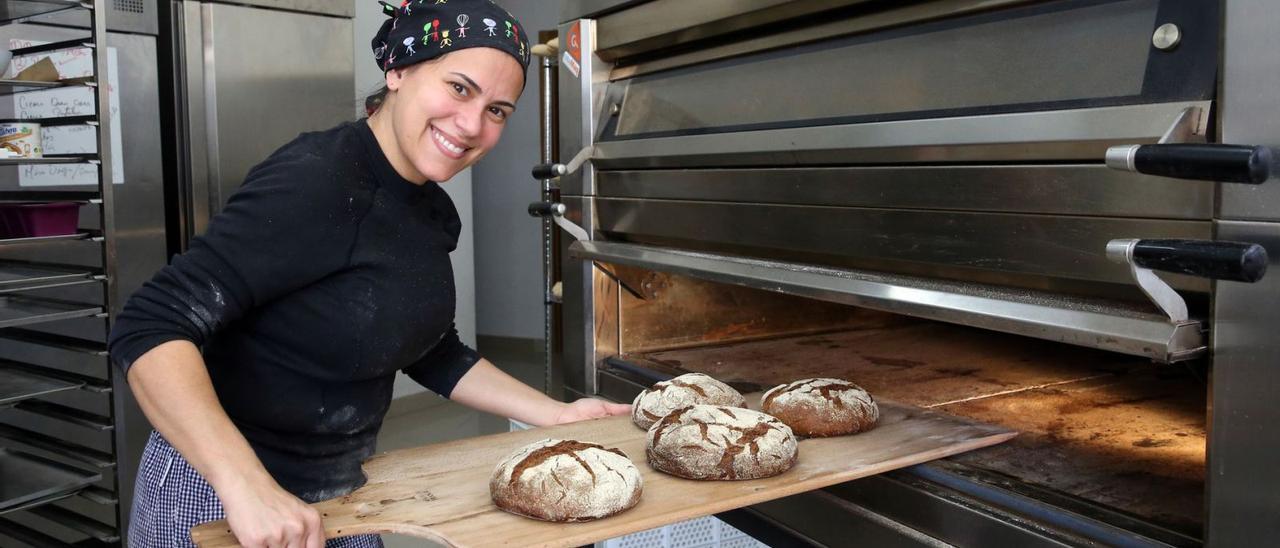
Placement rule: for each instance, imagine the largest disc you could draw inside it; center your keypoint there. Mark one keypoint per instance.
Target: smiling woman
(441, 116)
(266, 354)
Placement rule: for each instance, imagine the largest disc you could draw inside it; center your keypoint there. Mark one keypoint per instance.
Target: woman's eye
(499, 113)
(458, 88)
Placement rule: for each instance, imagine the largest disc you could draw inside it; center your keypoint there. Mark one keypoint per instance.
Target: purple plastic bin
(31, 220)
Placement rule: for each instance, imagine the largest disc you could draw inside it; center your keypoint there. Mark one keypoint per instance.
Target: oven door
(1053, 81)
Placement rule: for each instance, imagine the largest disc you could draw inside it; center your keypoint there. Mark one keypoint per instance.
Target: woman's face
(448, 113)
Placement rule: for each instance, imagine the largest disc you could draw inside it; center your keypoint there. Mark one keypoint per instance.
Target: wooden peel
(441, 492)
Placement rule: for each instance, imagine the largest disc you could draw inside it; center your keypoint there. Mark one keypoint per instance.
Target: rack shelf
(10, 87)
(66, 449)
(77, 522)
(83, 120)
(62, 342)
(43, 239)
(17, 385)
(98, 495)
(16, 275)
(91, 384)
(90, 196)
(15, 11)
(78, 159)
(27, 478)
(54, 46)
(66, 414)
(25, 310)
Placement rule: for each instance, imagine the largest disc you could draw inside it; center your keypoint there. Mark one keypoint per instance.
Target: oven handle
(1201, 161)
(556, 211)
(1218, 260)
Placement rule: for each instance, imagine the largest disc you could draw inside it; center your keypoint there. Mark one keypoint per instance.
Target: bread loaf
(683, 391)
(710, 442)
(565, 480)
(822, 407)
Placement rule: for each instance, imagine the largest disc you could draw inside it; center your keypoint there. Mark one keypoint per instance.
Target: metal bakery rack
(59, 411)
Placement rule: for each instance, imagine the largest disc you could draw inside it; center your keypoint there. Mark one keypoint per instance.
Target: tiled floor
(433, 420)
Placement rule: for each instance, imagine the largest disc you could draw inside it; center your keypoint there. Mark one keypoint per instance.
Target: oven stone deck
(1110, 429)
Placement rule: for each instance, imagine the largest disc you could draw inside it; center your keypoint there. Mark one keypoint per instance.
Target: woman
(264, 356)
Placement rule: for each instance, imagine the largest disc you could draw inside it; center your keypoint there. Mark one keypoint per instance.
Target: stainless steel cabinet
(252, 79)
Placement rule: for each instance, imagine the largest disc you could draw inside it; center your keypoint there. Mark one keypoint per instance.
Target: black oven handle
(549, 171)
(547, 209)
(1201, 161)
(1218, 260)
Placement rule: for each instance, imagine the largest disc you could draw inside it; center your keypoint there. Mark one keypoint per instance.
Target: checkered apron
(171, 497)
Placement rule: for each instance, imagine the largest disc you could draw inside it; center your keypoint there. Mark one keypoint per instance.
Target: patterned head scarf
(420, 30)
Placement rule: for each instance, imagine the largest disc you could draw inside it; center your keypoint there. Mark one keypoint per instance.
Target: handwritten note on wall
(69, 101)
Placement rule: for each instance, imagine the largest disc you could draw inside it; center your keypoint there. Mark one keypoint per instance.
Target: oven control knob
(1205, 161)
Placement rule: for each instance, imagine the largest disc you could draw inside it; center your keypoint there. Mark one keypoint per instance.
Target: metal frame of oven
(937, 504)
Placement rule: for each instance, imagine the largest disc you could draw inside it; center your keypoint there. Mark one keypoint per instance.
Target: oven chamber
(916, 197)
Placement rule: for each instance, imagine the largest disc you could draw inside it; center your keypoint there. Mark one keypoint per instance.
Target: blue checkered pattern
(171, 497)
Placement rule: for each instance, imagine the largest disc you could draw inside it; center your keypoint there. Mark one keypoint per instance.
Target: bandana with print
(420, 30)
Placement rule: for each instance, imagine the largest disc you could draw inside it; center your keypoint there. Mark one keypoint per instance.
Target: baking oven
(960, 205)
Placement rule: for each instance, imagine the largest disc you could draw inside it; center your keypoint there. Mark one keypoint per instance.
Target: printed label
(574, 41)
(572, 65)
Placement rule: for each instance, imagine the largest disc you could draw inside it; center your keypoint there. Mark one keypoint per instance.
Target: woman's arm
(487, 388)
(173, 388)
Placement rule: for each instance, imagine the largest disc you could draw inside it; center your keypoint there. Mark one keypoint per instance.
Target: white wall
(368, 79)
(509, 241)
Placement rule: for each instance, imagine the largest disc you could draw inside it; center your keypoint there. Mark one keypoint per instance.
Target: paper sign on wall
(69, 101)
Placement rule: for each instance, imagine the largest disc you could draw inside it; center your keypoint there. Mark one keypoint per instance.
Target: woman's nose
(469, 121)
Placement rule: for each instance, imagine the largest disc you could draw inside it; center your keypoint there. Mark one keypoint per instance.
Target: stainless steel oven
(959, 204)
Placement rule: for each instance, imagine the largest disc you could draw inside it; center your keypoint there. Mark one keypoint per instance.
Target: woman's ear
(395, 77)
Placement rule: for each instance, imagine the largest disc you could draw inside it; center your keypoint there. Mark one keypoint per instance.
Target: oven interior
(1111, 436)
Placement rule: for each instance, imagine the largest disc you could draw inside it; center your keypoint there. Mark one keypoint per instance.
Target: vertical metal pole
(105, 178)
(547, 111)
(110, 302)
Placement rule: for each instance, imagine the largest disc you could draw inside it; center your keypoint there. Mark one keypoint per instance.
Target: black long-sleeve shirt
(325, 274)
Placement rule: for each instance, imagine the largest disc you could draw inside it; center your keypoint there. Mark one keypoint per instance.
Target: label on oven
(571, 65)
(572, 57)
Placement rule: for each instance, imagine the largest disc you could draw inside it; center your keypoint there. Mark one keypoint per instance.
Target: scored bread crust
(565, 481)
(822, 407)
(709, 442)
(683, 391)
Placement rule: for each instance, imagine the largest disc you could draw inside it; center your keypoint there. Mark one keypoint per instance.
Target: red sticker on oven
(573, 51)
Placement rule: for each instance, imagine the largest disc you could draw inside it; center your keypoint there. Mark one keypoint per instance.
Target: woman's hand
(263, 515)
(589, 408)
(488, 389)
(172, 385)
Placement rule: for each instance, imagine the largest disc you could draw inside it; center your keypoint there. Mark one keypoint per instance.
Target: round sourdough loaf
(710, 442)
(683, 391)
(822, 407)
(565, 480)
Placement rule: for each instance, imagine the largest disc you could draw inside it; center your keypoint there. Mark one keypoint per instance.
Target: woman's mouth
(446, 145)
